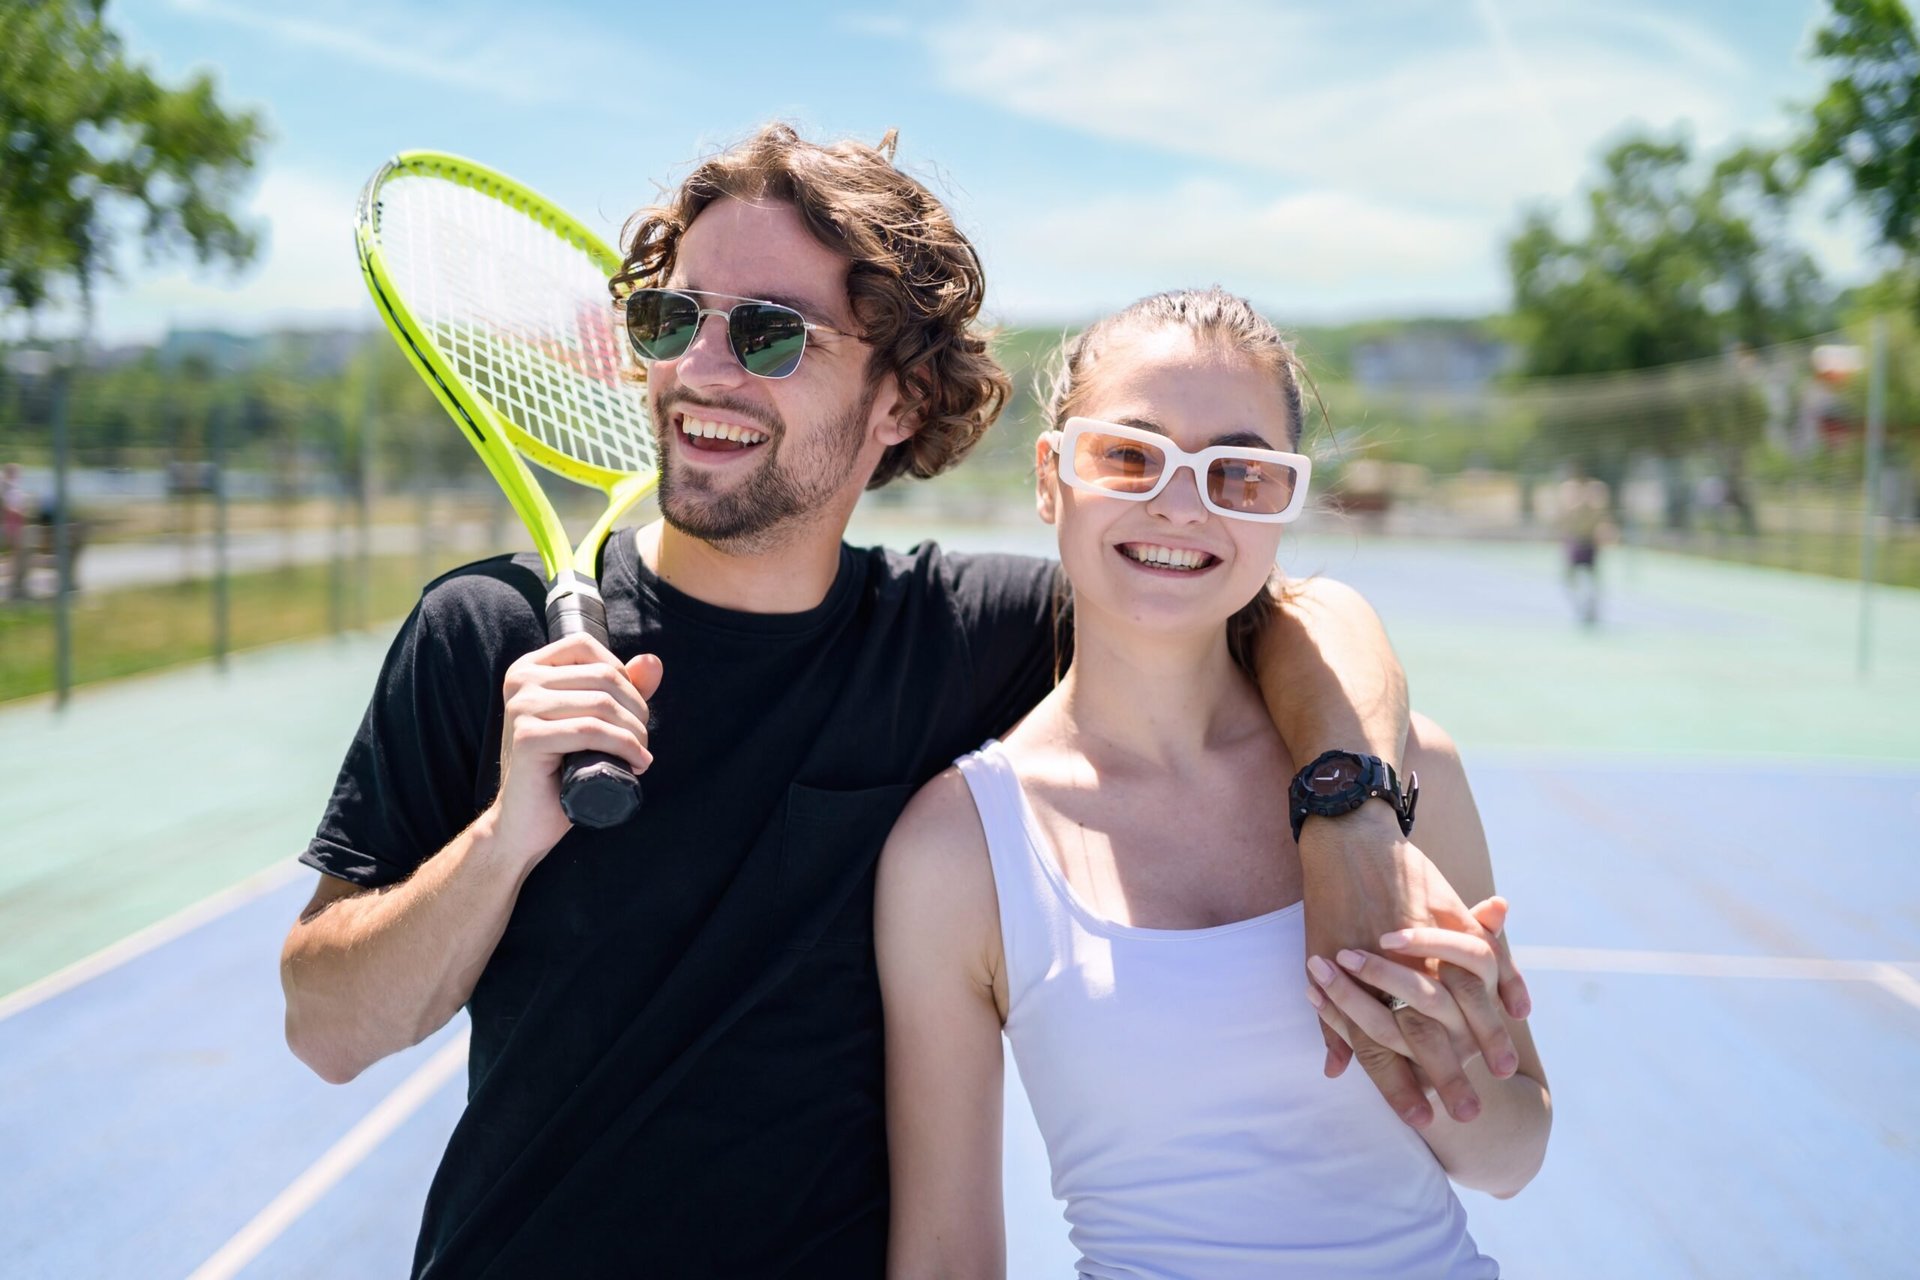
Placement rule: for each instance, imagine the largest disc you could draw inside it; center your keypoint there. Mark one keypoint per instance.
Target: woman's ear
(1046, 480)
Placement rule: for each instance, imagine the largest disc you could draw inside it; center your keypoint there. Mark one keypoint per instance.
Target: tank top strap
(1034, 921)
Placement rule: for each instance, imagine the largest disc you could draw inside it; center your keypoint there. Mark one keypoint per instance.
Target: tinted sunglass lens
(660, 324)
(767, 339)
(1117, 462)
(1257, 487)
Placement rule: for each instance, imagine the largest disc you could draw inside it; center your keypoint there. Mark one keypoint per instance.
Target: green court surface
(1691, 657)
(147, 795)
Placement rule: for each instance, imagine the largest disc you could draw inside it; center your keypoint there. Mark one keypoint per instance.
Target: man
(675, 1067)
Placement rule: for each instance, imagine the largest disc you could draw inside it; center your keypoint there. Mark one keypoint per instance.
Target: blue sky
(1332, 161)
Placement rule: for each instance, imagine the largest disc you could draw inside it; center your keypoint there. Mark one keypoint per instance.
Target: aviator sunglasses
(765, 337)
(1127, 462)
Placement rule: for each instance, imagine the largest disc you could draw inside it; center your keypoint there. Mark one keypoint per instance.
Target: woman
(1111, 887)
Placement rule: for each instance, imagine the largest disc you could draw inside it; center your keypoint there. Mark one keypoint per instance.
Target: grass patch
(1830, 555)
(125, 632)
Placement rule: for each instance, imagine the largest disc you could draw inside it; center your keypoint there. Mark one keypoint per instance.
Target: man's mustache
(681, 402)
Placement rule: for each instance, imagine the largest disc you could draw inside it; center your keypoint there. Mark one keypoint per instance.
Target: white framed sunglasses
(1235, 481)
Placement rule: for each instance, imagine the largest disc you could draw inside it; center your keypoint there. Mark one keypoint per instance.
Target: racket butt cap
(600, 795)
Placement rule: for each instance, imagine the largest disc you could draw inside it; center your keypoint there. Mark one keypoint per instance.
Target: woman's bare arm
(1502, 1148)
(937, 933)
(1331, 681)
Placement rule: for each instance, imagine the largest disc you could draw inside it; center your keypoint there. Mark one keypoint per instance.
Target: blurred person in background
(1115, 888)
(1582, 514)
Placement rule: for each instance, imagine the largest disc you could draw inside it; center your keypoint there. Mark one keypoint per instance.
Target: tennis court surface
(1703, 815)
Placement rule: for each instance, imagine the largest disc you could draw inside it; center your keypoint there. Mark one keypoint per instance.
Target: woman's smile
(1164, 560)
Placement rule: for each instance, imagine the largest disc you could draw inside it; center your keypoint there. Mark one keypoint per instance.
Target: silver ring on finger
(1396, 1003)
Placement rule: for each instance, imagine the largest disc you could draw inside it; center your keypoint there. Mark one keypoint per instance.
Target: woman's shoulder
(935, 907)
(937, 840)
(942, 807)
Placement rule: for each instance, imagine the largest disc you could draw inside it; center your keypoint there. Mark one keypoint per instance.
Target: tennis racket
(499, 299)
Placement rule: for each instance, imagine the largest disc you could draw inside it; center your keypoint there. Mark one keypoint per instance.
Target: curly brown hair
(914, 281)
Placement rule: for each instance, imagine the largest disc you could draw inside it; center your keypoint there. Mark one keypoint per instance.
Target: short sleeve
(1014, 619)
(408, 783)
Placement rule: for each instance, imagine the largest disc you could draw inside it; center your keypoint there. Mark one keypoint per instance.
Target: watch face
(1331, 777)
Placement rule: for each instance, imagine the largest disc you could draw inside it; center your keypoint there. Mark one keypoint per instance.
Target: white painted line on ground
(181, 922)
(341, 1159)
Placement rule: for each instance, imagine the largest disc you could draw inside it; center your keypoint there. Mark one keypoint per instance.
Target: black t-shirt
(676, 1057)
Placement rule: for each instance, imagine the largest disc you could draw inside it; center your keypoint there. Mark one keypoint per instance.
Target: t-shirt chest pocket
(830, 849)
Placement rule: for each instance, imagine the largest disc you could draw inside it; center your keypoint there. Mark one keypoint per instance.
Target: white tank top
(1175, 1075)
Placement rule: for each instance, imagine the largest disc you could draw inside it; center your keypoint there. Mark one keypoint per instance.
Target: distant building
(222, 352)
(311, 353)
(1458, 359)
(316, 352)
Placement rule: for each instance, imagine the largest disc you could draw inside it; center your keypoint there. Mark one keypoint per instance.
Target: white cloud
(1379, 154)
(1345, 98)
(528, 56)
(1299, 255)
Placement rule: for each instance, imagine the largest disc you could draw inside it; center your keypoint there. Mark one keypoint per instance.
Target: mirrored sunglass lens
(1256, 486)
(1117, 462)
(662, 324)
(767, 339)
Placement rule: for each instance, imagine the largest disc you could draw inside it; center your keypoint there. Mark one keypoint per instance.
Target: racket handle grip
(596, 789)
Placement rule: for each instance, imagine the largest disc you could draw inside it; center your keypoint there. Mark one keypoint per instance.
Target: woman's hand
(1431, 1008)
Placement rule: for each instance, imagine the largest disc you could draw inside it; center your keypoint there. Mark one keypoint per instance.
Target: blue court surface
(1722, 938)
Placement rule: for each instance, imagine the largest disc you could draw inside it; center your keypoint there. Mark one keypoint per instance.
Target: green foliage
(1868, 121)
(150, 628)
(277, 416)
(1772, 290)
(1675, 266)
(94, 149)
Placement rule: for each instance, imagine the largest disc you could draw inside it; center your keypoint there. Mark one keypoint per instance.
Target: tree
(1771, 288)
(1676, 268)
(94, 150)
(1624, 296)
(1673, 266)
(1867, 123)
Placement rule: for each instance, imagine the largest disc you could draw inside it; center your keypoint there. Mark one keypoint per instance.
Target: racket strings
(522, 314)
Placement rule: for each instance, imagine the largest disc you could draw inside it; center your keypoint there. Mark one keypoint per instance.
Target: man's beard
(781, 491)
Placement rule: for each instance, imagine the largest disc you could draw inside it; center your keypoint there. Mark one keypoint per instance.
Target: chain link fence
(222, 494)
(207, 505)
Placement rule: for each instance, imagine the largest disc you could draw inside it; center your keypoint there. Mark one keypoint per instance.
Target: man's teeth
(721, 431)
(1165, 557)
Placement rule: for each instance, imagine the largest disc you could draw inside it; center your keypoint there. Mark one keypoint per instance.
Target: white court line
(1889, 977)
(341, 1159)
(134, 945)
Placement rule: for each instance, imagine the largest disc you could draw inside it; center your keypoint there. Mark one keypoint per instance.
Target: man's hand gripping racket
(499, 299)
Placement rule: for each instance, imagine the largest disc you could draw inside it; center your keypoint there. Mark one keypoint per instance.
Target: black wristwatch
(1339, 782)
